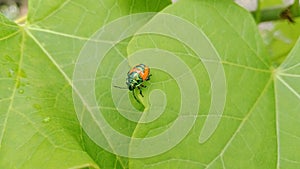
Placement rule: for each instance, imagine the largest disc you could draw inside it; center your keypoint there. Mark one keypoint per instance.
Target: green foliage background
(38, 124)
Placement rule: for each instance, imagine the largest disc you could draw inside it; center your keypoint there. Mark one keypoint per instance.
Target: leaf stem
(257, 12)
(295, 8)
(21, 20)
(272, 14)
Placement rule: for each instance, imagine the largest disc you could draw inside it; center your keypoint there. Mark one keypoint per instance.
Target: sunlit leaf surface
(219, 102)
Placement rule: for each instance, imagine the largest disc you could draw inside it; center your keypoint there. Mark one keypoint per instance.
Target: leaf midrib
(69, 81)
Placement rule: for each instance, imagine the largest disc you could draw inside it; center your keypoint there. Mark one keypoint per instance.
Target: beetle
(135, 78)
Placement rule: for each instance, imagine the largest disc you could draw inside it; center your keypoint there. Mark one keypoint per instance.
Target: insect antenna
(120, 87)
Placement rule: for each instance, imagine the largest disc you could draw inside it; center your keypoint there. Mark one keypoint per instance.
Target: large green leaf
(246, 133)
(214, 100)
(39, 127)
(287, 92)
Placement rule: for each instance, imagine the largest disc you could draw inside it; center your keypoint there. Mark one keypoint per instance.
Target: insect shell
(136, 76)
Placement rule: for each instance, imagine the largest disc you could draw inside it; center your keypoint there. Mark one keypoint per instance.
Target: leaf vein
(14, 90)
(242, 123)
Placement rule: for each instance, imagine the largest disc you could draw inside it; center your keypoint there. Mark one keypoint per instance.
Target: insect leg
(140, 91)
(143, 85)
(148, 77)
(135, 97)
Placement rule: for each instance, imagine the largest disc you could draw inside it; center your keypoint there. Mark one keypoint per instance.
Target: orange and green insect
(136, 76)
